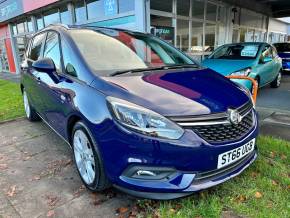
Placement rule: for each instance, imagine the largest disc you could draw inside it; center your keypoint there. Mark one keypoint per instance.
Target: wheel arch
(72, 120)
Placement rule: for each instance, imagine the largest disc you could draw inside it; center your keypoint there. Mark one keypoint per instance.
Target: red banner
(29, 5)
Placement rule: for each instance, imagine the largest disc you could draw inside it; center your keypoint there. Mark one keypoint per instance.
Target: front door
(54, 99)
(266, 66)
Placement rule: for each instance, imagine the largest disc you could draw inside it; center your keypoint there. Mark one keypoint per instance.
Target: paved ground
(38, 178)
(10, 76)
(278, 99)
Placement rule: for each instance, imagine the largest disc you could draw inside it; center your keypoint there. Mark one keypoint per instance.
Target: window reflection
(64, 15)
(80, 12)
(40, 24)
(51, 17)
(95, 8)
(126, 5)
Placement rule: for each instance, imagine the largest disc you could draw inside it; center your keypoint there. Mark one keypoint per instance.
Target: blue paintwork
(265, 72)
(170, 93)
(285, 60)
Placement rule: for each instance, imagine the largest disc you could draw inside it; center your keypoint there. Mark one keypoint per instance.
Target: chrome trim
(54, 130)
(207, 123)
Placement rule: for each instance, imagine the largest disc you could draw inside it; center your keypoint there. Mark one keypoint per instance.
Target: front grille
(216, 128)
(225, 132)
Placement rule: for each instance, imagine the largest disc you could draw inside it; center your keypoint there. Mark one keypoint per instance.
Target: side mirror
(45, 65)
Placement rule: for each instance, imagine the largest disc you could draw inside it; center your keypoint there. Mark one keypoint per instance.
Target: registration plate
(236, 154)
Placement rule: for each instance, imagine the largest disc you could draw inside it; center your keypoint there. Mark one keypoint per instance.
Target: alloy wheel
(84, 157)
(26, 105)
(279, 79)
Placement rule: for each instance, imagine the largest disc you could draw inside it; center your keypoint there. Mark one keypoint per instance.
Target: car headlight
(244, 72)
(143, 120)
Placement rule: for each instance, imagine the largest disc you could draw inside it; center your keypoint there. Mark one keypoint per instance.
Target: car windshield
(107, 51)
(282, 47)
(236, 52)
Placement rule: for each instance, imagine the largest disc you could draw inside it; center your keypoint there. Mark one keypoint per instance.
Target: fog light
(149, 173)
(145, 173)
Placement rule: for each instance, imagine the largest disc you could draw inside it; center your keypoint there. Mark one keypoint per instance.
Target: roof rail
(58, 24)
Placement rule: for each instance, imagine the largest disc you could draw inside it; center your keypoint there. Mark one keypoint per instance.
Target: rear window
(236, 52)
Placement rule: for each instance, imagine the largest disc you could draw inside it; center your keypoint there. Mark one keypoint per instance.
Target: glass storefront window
(162, 27)
(235, 36)
(29, 25)
(64, 15)
(243, 33)
(80, 12)
(14, 29)
(197, 37)
(126, 5)
(21, 43)
(4, 66)
(51, 17)
(160, 21)
(95, 8)
(161, 5)
(21, 27)
(250, 35)
(209, 37)
(182, 35)
(39, 22)
(197, 9)
(183, 7)
(211, 12)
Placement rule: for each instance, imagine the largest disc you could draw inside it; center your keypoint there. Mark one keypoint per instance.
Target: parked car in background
(139, 114)
(253, 59)
(283, 49)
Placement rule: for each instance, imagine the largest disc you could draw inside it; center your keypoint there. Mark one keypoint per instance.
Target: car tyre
(87, 159)
(277, 82)
(31, 114)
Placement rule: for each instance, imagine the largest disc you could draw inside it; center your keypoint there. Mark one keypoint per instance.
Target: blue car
(138, 114)
(283, 49)
(257, 60)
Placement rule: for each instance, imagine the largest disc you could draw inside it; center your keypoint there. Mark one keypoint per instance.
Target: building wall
(194, 26)
(6, 54)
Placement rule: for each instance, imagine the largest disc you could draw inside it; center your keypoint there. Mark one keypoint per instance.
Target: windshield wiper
(166, 67)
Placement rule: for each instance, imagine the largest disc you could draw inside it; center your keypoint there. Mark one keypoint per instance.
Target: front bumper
(246, 83)
(193, 160)
(197, 184)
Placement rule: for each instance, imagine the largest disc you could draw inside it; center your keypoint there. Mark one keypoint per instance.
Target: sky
(286, 19)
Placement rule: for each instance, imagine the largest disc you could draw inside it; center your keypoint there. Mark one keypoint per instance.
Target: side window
(266, 53)
(52, 49)
(36, 47)
(70, 61)
(275, 54)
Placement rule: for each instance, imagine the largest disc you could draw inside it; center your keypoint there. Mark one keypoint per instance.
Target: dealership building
(194, 26)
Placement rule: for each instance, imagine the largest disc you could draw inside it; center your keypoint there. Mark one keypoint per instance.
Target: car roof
(64, 27)
(248, 43)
